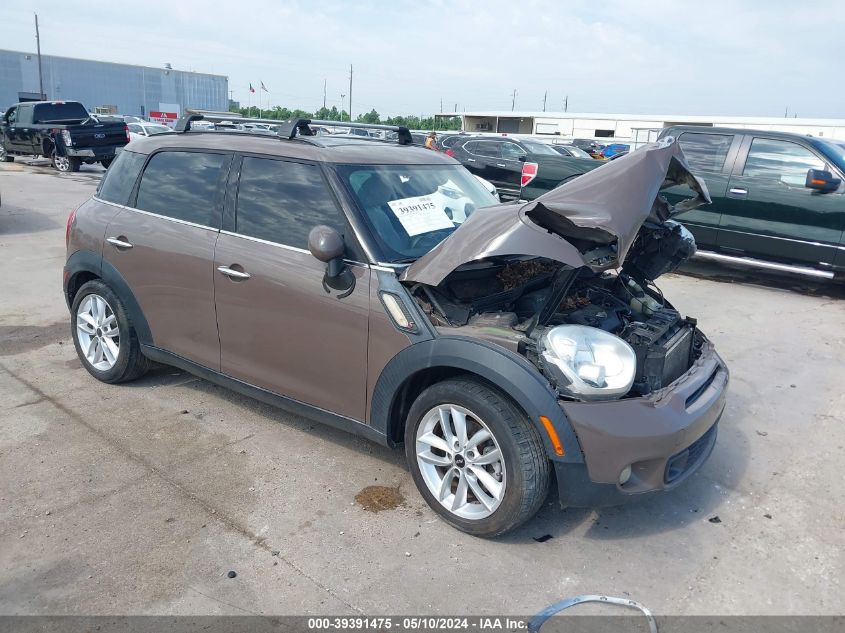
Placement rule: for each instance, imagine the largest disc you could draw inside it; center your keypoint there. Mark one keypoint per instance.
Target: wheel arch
(47, 145)
(84, 266)
(428, 362)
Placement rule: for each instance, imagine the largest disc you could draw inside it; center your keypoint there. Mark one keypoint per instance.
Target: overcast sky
(733, 57)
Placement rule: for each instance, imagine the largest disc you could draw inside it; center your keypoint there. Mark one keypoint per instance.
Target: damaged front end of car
(567, 281)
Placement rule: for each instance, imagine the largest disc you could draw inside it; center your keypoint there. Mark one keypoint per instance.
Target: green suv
(778, 198)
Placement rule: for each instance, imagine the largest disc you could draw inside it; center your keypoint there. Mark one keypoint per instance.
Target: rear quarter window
(705, 152)
(184, 186)
(117, 184)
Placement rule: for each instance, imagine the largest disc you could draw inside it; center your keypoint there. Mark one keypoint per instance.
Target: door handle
(232, 273)
(737, 192)
(500, 165)
(119, 242)
(470, 160)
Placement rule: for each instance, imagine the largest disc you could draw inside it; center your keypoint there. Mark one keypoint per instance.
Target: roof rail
(184, 122)
(290, 128)
(287, 129)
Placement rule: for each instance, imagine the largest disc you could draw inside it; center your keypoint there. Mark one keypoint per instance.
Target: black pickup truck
(778, 199)
(62, 131)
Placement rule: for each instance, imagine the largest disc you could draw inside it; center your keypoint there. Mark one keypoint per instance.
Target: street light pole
(38, 45)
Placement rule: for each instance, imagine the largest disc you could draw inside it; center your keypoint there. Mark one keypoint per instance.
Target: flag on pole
(263, 87)
(251, 89)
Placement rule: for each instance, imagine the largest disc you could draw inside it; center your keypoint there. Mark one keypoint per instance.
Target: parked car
(142, 130)
(778, 198)
(62, 131)
(593, 148)
(519, 168)
(445, 140)
(495, 349)
(569, 150)
(614, 149)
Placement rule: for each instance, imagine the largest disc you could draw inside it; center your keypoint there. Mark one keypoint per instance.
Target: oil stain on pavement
(379, 498)
(17, 339)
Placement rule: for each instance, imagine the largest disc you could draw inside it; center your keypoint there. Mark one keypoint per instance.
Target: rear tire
(65, 164)
(106, 162)
(4, 155)
(104, 336)
(488, 487)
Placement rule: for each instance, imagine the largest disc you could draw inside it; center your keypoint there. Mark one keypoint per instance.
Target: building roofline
(668, 118)
(100, 61)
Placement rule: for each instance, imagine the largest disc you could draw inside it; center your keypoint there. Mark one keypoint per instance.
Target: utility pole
(324, 94)
(513, 101)
(545, 94)
(38, 45)
(350, 92)
(566, 104)
(342, 97)
(786, 112)
(441, 104)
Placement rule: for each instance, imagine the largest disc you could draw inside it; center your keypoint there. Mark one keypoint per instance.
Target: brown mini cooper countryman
(379, 287)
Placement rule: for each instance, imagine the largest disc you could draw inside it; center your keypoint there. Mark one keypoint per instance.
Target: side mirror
(821, 180)
(522, 158)
(326, 245)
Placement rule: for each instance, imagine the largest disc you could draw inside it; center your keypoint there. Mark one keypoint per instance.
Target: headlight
(66, 138)
(588, 363)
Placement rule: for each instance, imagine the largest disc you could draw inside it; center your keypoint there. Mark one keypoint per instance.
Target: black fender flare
(88, 261)
(511, 373)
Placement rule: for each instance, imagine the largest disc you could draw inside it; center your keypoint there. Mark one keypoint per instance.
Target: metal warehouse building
(632, 128)
(109, 87)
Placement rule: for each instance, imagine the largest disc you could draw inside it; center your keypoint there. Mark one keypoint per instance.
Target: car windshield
(835, 151)
(539, 148)
(577, 152)
(412, 208)
(157, 129)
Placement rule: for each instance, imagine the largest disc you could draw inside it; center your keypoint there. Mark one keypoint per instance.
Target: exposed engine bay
(519, 302)
(581, 304)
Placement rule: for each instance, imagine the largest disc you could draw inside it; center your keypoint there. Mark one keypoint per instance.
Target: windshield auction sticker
(421, 214)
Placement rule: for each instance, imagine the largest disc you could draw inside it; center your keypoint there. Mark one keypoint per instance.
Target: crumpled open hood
(604, 207)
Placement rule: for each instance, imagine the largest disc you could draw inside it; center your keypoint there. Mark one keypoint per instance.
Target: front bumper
(664, 437)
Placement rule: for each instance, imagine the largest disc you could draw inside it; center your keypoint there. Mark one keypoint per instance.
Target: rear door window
(281, 201)
(780, 160)
(705, 152)
(512, 151)
(184, 186)
(488, 148)
(116, 186)
(25, 115)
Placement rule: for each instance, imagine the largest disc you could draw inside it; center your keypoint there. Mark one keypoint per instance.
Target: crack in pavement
(189, 495)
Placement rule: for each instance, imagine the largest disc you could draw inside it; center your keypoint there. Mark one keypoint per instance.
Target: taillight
(126, 131)
(450, 152)
(70, 218)
(529, 173)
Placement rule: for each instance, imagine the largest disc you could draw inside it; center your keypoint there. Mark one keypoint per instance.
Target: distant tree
(370, 117)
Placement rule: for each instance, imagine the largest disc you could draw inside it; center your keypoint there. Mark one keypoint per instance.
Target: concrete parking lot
(140, 498)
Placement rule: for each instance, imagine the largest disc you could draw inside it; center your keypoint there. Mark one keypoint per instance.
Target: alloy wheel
(62, 163)
(98, 332)
(460, 461)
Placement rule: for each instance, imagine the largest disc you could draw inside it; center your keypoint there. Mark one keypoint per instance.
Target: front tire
(103, 335)
(475, 457)
(4, 155)
(106, 162)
